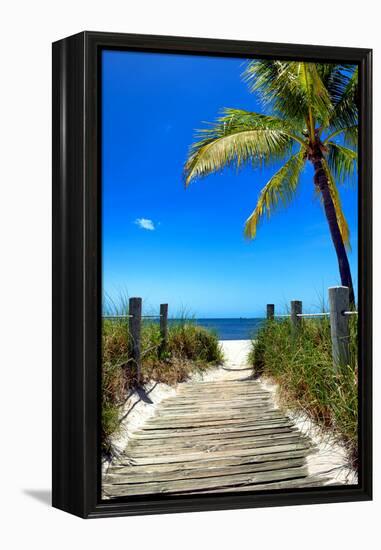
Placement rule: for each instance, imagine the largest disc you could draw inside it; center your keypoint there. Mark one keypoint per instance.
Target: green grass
(302, 366)
(190, 348)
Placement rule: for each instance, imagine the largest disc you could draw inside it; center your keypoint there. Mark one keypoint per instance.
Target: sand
(138, 407)
(329, 460)
(235, 366)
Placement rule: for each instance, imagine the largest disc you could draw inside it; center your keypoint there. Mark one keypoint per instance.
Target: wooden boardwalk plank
(217, 436)
(213, 406)
(129, 489)
(197, 456)
(209, 462)
(129, 475)
(213, 437)
(298, 483)
(210, 430)
(216, 445)
(209, 422)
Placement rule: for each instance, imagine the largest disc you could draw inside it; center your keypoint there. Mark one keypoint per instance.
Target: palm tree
(312, 116)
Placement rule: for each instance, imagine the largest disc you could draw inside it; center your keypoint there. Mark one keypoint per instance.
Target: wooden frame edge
(76, 280)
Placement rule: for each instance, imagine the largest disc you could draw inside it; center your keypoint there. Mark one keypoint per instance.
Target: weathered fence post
(338, 303)
(163, 328)
(296, 309)
(270, 310)
(135, 329)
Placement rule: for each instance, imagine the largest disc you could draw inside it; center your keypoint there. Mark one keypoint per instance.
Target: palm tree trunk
(321, 181)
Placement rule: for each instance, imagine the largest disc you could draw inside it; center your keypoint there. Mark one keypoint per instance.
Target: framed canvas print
(211, 274)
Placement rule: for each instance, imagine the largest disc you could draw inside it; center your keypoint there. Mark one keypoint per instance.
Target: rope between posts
(312, 314)
(322, 314)
(130, 316)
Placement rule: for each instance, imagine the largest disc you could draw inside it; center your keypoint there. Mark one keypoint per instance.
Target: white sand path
(330, 459)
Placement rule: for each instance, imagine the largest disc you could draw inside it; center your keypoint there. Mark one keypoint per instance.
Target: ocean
(232, 329)
(241, 328)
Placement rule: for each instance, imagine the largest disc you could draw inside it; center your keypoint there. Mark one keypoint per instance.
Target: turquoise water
(225, 328)
(231, 329)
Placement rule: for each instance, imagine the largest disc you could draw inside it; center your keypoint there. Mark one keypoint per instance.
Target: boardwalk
(215, 436)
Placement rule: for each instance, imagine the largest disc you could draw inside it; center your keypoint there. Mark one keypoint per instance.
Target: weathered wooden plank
(166, 459)
(211, 434)
(243, 421)
(221, 390)
(130, 476)
(215, 401)
(185, 448)
(210, 430)
(254, 414)
(215, 406)
(236, 480)
(249, 385)
(297, 483)
(215, 409)
(220, 415)
(226, 384)
(210, 462)
(217, 427)
(204, 392)
(251, 406)
(211, 446)
(254, 382)
(211, 405)
(226, 439)
(218, 393)
(234, 448)
(217, 396)
(158, 441)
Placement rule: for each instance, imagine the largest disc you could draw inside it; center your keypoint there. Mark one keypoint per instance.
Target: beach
(328, 462)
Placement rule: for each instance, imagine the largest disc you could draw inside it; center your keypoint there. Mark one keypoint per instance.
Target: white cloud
(145, 223)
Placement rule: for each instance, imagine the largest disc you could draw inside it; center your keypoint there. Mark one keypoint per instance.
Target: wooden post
(338, 303)
(270, 310)
(135, 329)
(296, 308)
(163, 328)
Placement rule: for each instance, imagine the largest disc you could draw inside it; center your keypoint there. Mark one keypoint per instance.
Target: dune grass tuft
(190, 348)
(302, 366)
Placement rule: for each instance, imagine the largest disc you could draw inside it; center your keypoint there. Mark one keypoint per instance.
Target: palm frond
(276, 87)
(342, 222)
(341, 161)
(238, 137)
(336, 77)
(316, 94)
(279, 190)
(345, 112)
(348, 133)
(293, 89)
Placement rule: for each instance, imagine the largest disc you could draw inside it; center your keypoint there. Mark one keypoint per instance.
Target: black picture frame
(77, 274)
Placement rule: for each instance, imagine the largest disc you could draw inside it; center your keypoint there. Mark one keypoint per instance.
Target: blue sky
(186, 247)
